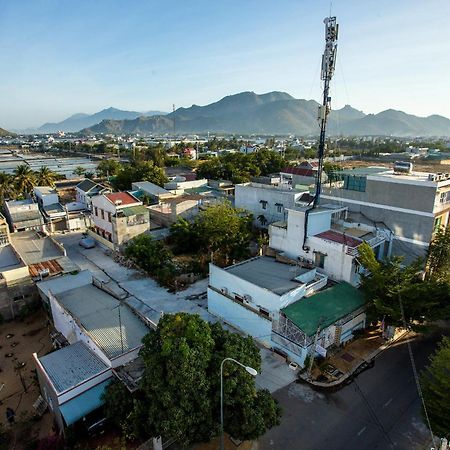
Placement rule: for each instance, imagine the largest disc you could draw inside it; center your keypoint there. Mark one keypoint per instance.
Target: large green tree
(24, 179)
(180, 388)
(108, 167)
(7, 187)
(45, 177)
(435, 382)
(139, 171)
(438, 261)
(219, 231)
(389, 284)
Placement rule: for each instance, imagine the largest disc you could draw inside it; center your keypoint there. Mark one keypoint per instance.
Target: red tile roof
(341, 238)
(124, 197)
(299, 171)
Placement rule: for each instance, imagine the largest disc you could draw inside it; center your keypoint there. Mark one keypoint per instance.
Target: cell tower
(328, 64)
(173, 116)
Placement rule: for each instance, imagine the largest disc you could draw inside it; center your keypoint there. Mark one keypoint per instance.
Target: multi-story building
(87, 189)
(119, 217)
(268, 203)
(326, 237)
(412, 205)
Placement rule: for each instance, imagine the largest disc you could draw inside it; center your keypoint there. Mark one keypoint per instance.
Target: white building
(267, 203)
(331, 242)
(23, 215)
(119, 217)
(87, 189)
(281, 305)
(104, 334)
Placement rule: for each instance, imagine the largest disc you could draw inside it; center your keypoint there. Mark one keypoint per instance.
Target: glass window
(103, 214)
(319, 260)
(109, 217)
(96, 211)
(279, 207)
(263, 204)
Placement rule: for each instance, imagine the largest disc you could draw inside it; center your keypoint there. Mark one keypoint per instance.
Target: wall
(249, 196)
(220, 278)
(240, 317)
(123, 231)
(102, 204)
(185, 184)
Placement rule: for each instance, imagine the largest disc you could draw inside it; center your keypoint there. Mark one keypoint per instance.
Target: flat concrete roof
(8, 259)
(269, 274)
(34, 248)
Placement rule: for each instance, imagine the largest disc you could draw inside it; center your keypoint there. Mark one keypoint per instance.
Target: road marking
(387, 403)
(361, 431)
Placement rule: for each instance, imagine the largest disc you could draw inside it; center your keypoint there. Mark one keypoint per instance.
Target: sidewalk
(352, 358)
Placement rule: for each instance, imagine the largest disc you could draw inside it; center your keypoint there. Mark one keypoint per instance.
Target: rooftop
(341, 238)
(86, 185)
(98, 313)
(34, 247)
(122, 198)
(269, 274)
(65, 283)
(71, 365)
(45, 190)
(324, 308)
(8, 259)
(150, 188)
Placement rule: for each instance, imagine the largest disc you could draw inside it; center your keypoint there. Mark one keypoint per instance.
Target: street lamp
(249, 370)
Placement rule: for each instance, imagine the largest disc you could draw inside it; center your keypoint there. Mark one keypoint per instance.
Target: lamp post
(250, 370)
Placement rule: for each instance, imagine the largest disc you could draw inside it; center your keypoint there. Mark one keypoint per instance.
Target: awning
(134, 210)
(85, 403)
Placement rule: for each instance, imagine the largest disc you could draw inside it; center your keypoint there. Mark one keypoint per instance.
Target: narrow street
(352, 418)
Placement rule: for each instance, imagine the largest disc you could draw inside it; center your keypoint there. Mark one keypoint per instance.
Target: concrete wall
(124, 229)
(102, 204)
(249, 196)
(239, 317)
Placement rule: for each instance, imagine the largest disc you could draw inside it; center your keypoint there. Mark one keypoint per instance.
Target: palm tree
(24, 179)
(45, 177)
(6, 187)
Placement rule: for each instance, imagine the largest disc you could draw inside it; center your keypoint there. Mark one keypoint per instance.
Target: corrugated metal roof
(324, 308)
(86, 185)
(65, 283)
(71, 366)
(98, 313)
(341, 238)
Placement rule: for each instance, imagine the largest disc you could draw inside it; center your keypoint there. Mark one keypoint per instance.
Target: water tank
(403, 167)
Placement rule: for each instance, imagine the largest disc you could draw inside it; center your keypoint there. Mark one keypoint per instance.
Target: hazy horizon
(63, 58)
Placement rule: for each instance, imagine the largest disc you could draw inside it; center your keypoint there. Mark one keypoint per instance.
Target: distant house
(119, 217)
(23, 215)
(87, 189)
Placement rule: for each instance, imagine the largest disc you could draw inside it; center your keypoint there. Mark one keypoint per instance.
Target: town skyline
(86, 58)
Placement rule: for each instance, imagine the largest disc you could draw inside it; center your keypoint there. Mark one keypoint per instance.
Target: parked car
(87, 242)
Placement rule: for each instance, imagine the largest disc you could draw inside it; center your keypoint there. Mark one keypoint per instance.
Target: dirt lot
(19, 388)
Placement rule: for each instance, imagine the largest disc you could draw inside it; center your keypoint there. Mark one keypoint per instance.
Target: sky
(60, 57)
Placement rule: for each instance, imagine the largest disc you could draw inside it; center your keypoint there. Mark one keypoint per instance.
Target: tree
(7, 188)
(79, 171)
(435, 382)
(45, 177)
(108, 167)
(24, 179)
(184, 236)
(139, 171)
(438, 259)
(389, 283)
(180, 387)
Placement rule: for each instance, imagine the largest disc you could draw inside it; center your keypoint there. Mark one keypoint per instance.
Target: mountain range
(4, 133)
(274, 113)
(79, 121)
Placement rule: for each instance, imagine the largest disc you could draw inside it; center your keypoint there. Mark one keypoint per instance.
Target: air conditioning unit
(224, 290)
(44, 273)
(248, 298)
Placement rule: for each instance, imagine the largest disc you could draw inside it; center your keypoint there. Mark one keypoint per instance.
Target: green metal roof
(133, 210)
(324, 308)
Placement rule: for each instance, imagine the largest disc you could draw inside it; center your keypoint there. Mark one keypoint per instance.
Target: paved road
(343, 420)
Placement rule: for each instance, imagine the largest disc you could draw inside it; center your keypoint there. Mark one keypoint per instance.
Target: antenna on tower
(327, 71)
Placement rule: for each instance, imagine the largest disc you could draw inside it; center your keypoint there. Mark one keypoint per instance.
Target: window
(279, 207)
(103, 214)
(96, 211)
(239, 298)
(263, 204)
(319, 259)
(264, 312)
(437, 223)
(109, 217)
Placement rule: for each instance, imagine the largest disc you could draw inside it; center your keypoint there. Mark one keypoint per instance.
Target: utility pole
(316, 338)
